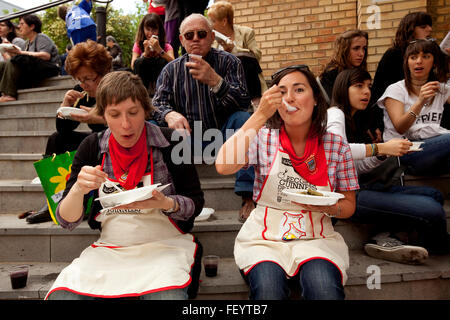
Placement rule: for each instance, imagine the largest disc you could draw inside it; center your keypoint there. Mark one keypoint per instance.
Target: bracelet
(415, 115)
(337, 214)
(374, 148)
(171, 209)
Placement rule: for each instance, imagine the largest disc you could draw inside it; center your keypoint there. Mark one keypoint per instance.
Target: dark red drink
(211, 270)
(19, 279)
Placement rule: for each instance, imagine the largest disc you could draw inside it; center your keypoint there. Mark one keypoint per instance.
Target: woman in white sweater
(391, 208)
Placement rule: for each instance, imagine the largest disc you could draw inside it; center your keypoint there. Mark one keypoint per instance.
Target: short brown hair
(62, 12)
(118, 86)
(89, 54)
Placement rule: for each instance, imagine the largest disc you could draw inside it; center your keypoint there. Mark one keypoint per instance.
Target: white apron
(138, 252)
(282, 232)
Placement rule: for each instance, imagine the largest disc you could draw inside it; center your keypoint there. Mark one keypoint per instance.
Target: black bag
(389, 173)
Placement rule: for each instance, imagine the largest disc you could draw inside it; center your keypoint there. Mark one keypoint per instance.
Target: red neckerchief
(312, 166)
(129, 164)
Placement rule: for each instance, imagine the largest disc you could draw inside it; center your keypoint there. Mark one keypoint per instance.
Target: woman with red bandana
(286, 142)
(144, 249)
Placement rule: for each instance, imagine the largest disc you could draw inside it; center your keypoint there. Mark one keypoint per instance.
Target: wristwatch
(171, 209)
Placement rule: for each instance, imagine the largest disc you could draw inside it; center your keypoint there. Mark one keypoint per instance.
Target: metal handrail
(49, 5)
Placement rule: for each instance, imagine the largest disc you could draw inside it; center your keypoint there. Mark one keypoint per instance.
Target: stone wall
(303, 31)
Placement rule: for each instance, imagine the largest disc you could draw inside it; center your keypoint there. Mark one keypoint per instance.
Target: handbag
(388, 173)
(54, 171)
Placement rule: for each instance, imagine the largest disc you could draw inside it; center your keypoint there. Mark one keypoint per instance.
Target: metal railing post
(101, 25)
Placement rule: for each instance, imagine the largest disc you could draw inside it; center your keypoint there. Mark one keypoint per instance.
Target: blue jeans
(318, 279)
(174, 294)
(403, 208)
(244, 177)
(433, 160)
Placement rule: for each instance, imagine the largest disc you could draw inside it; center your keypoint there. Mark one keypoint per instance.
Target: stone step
(59, 81)
(18, 165)
(47, 242)
(24, 141)
(32, 106)
(57, 91)
(27, 122)
(19, 195)
(430, 281)
(32, 122)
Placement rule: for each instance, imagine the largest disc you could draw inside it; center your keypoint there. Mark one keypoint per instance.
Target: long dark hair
(355, 127)
(405, 30)
(440, 67)
(342, 46)
(319, 116)
(12, 31)
(154, 21)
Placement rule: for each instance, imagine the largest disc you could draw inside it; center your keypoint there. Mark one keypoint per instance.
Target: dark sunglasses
(295, 67)
(200, 34)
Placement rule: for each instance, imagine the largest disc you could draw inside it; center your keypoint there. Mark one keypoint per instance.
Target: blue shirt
(79, 23)
(177, 90)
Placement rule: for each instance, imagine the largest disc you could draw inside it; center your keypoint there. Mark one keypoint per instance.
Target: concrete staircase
(24, 127)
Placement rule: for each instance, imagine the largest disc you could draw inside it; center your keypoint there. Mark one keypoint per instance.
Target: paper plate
(328, 198)
(129, 196)
(205, 214)
(7, 46)
(66, 111)
(416, 146)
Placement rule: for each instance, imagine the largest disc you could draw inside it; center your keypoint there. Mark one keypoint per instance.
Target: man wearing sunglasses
(205, 89)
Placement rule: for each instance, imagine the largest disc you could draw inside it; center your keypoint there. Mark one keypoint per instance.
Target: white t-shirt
(336, 125)
(427, 124)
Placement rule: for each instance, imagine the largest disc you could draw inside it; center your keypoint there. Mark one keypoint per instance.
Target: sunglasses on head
(201, 34)
(426, 39)
(295, 67)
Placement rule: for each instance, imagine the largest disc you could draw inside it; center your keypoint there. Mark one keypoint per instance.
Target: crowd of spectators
(215, 81)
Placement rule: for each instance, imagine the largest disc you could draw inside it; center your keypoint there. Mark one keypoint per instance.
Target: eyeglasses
(426, 39)
(86, 80)
(294, 67)
(201, 34)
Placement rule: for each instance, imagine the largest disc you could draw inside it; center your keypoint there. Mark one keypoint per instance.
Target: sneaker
(384, 247)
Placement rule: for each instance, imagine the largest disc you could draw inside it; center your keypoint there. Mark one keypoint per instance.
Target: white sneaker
(384, 247)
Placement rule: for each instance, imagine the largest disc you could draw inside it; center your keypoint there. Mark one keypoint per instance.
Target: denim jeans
(433, 160)
(403, 208)
(244, 177)
(318, 279)
(174, 294)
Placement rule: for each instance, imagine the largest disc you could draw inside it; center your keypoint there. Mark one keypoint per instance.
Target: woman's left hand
(158, 201)
(90, 117)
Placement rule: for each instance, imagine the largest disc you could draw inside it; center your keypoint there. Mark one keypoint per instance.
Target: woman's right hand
(395, 147)
(428, 91)
(270, 102)
(71, 97)
(89, 178)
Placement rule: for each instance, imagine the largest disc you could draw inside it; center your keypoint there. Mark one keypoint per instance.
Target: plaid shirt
(341, 170)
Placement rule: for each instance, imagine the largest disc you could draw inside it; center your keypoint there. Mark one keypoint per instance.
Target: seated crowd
(334, 132)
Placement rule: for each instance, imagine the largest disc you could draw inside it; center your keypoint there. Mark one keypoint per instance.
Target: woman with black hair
(8, 35)
(392, 208)
(151, 52)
